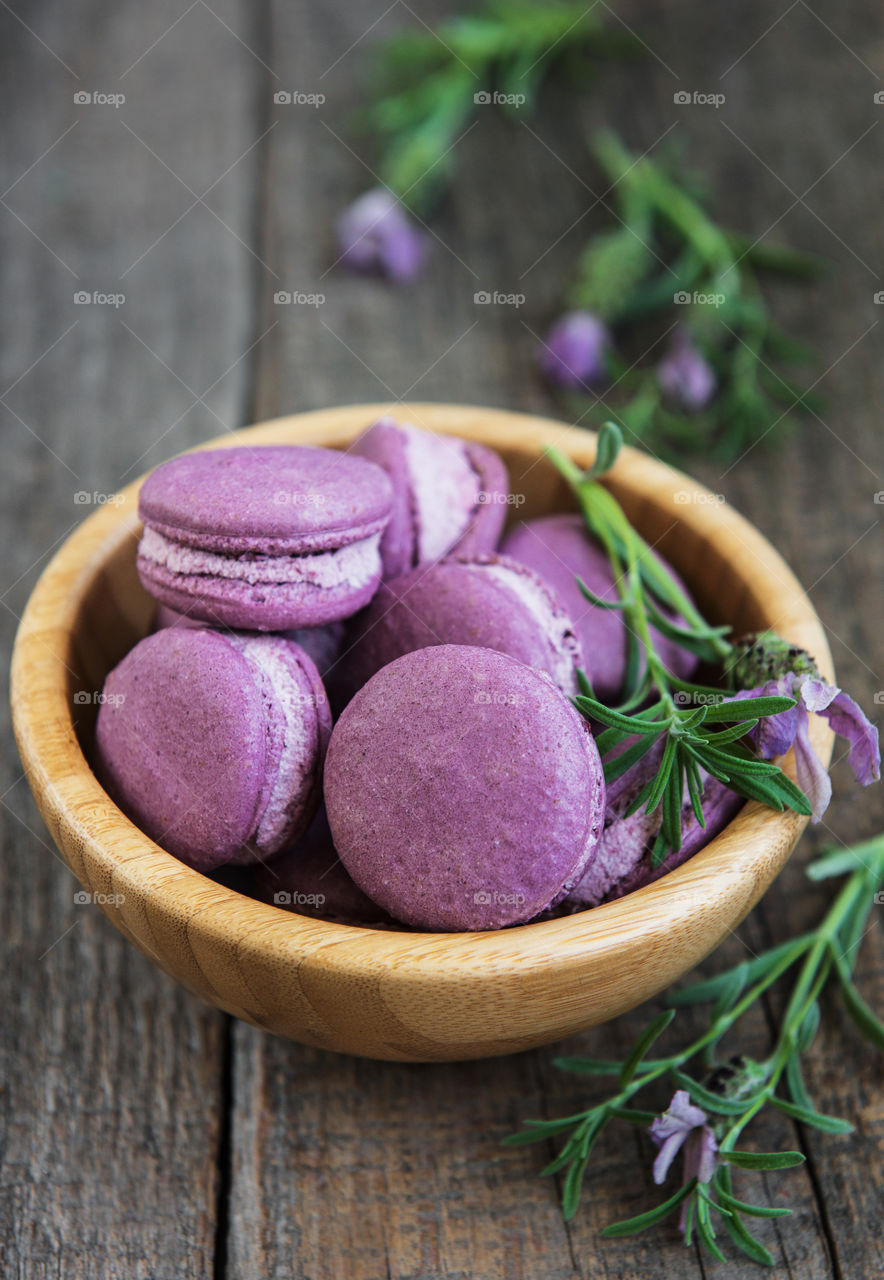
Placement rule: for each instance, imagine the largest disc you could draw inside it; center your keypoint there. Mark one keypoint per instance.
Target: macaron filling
(355, 565)
(445, 491)
(297, 720)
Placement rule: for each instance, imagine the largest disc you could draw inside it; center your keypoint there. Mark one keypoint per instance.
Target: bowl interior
(404, 995)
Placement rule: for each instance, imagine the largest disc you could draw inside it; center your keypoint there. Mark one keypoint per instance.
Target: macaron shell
(181, 744)
(463, 790)
(268, 499)
(448, 494)
(560, 549)
(485, 601)
(486, 526)
(258, 606)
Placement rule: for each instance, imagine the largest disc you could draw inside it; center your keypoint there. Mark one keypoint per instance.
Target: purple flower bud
(375, 234)
(774, 735)
(574, 352)
(684, 1125)
(685, 376)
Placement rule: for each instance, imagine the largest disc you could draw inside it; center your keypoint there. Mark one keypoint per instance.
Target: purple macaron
(448, 494)
(623, 858)
(463, 790)
(490, 602)
(560, 549)
(264, 538)
(322, 644)
(310, 878)
(213, 743)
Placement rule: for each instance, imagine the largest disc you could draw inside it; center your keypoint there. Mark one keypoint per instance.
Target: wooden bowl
(401, 996)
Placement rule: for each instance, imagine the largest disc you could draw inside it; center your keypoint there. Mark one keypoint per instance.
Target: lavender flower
(574, 352)
(375, 234)
(793, 673)
(684, 1125)
(685, 375)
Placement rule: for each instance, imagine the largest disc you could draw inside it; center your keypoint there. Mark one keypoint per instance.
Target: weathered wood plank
(375, 1170)
(112, 1098)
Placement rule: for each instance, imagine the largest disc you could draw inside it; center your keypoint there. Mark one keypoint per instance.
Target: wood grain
(112, 1102)
(341, 1165)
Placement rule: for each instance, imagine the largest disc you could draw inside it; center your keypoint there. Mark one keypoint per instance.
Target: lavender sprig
(715, 1101)
(667, 259)
(732, 733)
(429, 83)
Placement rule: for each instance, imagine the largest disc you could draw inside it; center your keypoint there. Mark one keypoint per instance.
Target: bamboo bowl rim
(719, 884)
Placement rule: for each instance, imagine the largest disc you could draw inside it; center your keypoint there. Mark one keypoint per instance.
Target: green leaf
(745, 1240)
(808, 1115)
(748, 708)
(633, 1115)
(809, 1026)
(763, 1159)
(865, 1018)
(795, 1081)
(730, 991)
(842, 862)
(643, 1043)
(754, 1210)
(710, 1101)
(540, 1130)
(757, 967)
(631, 1226)
(620, 764)
(607, 715)
(704, 1226)
(598, 602)
(608, 446)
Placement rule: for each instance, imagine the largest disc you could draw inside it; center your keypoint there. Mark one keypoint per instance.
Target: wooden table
(144, 1134)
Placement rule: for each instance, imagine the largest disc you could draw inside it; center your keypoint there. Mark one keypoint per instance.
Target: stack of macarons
(457, 788)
